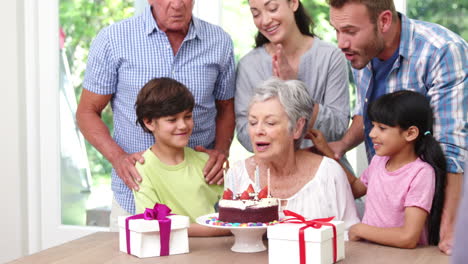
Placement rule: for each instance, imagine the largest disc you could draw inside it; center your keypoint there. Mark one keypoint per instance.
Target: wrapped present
(297, 240)
(154, 233)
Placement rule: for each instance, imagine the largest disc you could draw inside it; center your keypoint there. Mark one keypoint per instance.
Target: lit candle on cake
(268, 182)
(228, 182)
(224, 177)
(257, 177)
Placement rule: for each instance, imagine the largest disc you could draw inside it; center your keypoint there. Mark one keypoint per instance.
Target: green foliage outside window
(452, 14)
(81, 20)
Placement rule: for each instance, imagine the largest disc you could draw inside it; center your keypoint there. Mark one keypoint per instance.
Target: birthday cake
(248, 207)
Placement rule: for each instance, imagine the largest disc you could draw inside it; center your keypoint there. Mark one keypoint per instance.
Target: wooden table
(102, 247)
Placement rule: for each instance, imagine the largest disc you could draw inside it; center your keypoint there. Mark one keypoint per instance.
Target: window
(452, 14)
(85, 173)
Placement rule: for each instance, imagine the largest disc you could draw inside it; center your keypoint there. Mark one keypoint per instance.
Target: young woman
(287, 48)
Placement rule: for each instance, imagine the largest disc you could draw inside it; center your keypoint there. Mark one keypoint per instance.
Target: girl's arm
(406, 236)
(320, 143)
(196, 230)
(357, 187)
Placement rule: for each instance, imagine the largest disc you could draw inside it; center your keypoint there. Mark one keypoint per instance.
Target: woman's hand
(281, 67)
(320, 143)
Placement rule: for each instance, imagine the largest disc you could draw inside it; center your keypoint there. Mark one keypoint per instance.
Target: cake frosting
(243, 204)
(248, 207)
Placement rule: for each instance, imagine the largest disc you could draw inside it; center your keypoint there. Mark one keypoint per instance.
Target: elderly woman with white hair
(306, 183)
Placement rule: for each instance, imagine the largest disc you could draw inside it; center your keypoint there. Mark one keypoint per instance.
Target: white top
(327, 194)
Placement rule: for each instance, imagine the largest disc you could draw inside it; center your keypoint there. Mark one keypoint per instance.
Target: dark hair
(374, 7)
(162, 97)
(405, 109)
(303, 22)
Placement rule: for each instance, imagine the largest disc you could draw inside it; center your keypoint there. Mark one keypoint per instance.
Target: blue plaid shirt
(127, 54)
(433, 61)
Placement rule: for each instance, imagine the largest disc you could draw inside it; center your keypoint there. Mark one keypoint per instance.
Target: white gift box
(283, 243)
(145, 240)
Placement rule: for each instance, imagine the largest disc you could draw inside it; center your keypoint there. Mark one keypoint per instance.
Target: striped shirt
(433, 61)
(127, 54)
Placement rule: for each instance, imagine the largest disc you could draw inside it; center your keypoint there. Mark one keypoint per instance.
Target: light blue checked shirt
(127, 54)
(432, 61)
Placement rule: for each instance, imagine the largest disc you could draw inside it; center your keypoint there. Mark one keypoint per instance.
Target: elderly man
(164, 41)
(389, 52)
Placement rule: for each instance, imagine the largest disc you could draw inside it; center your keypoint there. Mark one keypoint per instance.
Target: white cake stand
(247, 239)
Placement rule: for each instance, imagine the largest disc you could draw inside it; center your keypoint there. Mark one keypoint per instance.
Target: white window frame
(401, 6)
(43, 129)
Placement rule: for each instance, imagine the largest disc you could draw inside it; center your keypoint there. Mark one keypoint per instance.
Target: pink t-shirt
(388, 193)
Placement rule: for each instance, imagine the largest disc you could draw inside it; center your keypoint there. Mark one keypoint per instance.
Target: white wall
(13, 242)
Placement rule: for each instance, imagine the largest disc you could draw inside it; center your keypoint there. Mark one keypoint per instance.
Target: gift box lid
(142, 225)
(288, 231)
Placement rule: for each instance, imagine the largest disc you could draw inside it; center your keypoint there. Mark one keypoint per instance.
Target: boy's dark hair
(303, 22)
(406, 109)
(162, 97)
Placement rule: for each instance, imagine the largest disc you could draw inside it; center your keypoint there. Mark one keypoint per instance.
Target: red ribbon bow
(159, 213)
(314, 223)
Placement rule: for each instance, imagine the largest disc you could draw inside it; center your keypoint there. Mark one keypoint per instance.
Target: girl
(405, 181)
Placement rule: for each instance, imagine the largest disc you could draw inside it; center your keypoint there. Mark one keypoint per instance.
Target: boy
(172, 173)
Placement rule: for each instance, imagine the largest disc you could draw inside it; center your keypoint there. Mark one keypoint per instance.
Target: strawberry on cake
(248, 207)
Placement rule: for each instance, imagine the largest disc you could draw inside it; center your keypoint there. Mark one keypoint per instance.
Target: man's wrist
(223, 149)
(346, 146)
(115, 156)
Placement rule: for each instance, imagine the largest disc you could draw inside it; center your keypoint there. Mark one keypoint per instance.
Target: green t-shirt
(182, 187)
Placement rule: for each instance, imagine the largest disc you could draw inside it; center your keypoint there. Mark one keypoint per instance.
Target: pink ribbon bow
(314, 223)
(159, 213)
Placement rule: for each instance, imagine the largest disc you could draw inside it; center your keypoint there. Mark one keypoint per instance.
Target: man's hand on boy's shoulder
(124, 166)
(213, 170)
